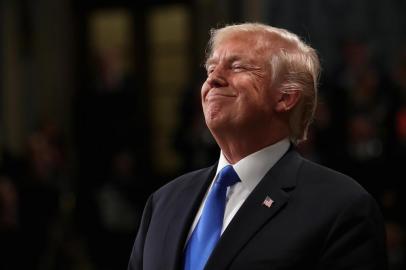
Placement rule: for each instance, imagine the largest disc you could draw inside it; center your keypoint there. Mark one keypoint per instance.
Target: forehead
(242, 45)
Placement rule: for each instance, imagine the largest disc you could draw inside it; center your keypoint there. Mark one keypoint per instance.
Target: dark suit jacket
(320, 219)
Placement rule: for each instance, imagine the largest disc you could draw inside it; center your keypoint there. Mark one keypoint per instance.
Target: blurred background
(99, 106)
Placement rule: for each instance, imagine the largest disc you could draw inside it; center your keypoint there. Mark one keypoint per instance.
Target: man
(275, 209)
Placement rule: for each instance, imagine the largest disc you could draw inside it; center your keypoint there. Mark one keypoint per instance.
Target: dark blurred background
(99, 106)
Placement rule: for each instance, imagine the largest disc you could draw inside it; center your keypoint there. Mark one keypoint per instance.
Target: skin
(243, 112)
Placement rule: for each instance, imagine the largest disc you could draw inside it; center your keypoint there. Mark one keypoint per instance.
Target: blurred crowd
(77, 206)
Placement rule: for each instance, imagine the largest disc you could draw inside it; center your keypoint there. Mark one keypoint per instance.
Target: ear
(287, 101)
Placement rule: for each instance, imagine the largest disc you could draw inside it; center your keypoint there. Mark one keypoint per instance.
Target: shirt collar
(253, 167)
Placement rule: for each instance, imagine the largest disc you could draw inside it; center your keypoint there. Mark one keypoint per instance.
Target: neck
(236, 146)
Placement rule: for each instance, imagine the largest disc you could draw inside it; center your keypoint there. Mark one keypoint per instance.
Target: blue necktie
(208, 230)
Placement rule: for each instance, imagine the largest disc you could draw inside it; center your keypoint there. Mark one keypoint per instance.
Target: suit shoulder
(330, 179)
(182, 180)
(335, 193)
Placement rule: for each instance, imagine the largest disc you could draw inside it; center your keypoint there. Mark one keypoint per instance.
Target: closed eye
(238, 68)
(210, 69)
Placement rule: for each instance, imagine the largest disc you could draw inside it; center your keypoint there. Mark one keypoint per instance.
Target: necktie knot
(227, 177)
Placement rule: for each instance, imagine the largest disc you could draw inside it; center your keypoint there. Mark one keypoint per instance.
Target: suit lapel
(187, 203)
(253, 214)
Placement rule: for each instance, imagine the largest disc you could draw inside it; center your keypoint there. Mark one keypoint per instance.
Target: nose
(217, 79)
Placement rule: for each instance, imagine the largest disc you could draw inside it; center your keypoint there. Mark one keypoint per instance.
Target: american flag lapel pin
(268, 202)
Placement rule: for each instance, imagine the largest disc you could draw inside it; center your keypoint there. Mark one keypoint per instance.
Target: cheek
(260, 98)
(256, 92)
(251, 83)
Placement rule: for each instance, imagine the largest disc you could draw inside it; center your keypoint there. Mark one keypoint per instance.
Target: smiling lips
(218, 94)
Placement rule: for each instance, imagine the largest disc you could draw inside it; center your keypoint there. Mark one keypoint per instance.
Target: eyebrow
(209, 62)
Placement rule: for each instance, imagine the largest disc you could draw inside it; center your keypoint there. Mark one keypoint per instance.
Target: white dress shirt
(251, 170)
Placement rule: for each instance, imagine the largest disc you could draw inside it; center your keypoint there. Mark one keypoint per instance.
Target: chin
(217, 123)
(216, 117)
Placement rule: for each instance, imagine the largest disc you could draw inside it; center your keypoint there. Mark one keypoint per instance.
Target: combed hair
(294, 65)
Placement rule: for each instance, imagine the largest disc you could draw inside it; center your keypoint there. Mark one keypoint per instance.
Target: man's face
(236, 95)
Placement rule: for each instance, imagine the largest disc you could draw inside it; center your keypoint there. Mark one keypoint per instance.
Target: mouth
(219, 95)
